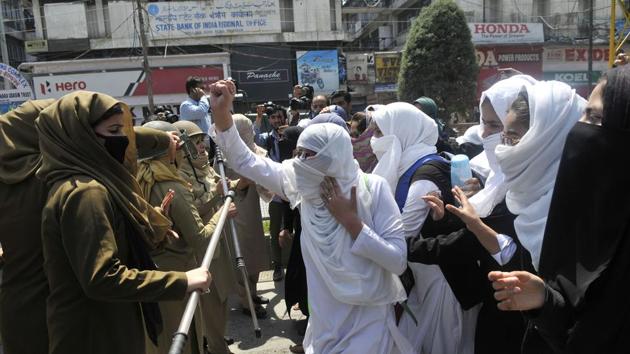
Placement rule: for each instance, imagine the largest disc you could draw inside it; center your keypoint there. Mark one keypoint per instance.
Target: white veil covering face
(501, 96)
(408, 135)
(351, 279)
(531, 166)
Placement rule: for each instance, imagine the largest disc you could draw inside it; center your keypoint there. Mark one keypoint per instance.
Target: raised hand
(221, 98)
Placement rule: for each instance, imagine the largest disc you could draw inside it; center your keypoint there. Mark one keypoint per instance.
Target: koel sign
(500, 33)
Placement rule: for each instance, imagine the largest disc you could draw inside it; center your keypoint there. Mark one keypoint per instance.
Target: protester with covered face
(97, 231)
(352, 236)
(576, 303)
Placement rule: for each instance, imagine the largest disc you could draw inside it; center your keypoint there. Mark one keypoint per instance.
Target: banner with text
(180, 19)
(387, 65)
(21, 92)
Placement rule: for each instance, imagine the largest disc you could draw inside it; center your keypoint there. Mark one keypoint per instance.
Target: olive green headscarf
(19, 143)
(70, 147)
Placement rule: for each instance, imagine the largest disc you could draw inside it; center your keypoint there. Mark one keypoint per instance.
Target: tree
(439, 60)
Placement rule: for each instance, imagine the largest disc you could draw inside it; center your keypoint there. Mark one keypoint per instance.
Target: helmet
(161, 125)
(189, 127)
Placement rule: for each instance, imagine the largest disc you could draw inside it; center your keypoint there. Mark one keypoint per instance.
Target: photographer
(271, 142)
(301, 101)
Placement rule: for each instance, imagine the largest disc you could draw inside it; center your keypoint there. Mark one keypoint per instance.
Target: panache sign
(501, 33)
(263, 76)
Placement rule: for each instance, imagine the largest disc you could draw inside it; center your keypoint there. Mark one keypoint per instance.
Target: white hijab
(471, 135)
(501, 96)
(408, 135)
(531, 166)
(351, 279)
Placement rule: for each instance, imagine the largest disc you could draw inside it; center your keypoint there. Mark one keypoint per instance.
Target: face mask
(489, 144)
(382, 145)
(116, 146)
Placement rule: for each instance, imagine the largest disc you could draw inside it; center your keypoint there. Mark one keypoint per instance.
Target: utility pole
(590, 47)
(145, 56)
(3, 47)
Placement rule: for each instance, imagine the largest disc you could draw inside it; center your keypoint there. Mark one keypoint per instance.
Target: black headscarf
(589, 217)
(288, 142)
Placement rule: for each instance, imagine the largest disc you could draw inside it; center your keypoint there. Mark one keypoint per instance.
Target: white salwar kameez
(443, 326)
(335, 326)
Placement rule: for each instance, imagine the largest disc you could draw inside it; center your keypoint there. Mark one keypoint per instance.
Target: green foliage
(439, 59)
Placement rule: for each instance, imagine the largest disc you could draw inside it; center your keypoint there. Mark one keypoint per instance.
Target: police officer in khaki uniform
(157, 175)
(207, 193)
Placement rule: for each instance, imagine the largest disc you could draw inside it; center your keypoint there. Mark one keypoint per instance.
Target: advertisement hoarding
(357, 65)
(387, 66)
(506, 33)
(492, 60)
(320, 69)
(125, 83)
(264, 73)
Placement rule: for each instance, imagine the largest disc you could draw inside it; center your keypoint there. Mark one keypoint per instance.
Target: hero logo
(67, 86)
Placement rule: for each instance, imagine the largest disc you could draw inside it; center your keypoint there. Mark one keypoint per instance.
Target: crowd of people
(104, 225)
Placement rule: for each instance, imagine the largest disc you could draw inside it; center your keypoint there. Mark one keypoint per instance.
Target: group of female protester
(397, 261)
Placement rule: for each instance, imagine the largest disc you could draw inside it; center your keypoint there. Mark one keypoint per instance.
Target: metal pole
(612, 53)
(240, 263)
(484, 11)
(145, 58)
(3, 47)
(181, 336)
(590, 47)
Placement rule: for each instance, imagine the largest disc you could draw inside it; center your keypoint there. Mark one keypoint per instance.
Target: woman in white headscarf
(404, 143)
(491, 251)
(494, 106)
(353, 244)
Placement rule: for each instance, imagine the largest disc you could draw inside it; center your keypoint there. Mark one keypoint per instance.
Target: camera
(304, 101)
(270, 108)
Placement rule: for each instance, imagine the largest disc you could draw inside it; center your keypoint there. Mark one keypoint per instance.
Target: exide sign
(67, 86)
(501, 33)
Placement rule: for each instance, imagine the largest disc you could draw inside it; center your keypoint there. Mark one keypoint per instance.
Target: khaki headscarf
(70, 147)
(157, 170)
(19, 143)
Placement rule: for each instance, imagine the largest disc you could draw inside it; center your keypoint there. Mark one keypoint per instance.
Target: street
(278, 330)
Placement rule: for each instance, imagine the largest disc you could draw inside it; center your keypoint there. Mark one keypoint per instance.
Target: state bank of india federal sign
(182, 19)
(506, 33)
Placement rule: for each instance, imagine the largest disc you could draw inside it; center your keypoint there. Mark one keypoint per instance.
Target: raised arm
(240, 158)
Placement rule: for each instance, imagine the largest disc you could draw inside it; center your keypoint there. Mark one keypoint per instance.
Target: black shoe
(278, 274)
(261, 313)
(259, 300)
(228, 340)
